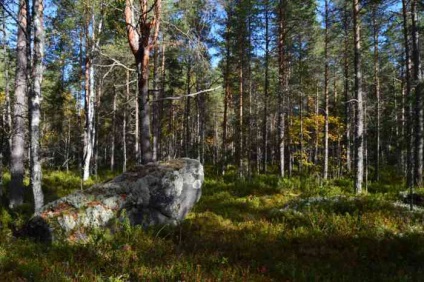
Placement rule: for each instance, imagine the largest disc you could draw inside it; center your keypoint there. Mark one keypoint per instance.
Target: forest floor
(264, 229)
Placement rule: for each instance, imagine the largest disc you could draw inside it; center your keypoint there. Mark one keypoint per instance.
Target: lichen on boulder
(152, 194)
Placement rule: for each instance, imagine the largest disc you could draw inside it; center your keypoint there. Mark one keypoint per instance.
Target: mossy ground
(264, 229)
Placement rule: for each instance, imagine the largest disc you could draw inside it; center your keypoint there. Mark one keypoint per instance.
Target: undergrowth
(261, 229)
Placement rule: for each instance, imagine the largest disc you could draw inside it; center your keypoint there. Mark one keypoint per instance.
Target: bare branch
(115, 61)
(188, 95)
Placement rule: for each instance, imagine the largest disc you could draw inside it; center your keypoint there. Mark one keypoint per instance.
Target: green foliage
(262, 229)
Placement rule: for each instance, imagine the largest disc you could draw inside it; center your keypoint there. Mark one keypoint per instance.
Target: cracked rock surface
(156, 193)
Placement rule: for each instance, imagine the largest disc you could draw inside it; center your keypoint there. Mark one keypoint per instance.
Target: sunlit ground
(264, 229)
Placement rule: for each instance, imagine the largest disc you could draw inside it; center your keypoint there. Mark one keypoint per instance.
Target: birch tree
(359, 122)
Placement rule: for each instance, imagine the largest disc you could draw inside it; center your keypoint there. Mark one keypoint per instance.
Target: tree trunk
(6, 119)
(240, 123)
(113, 137)
(141, 41)
(408, 107)
(316, 151)
(226, 97)
(17, 170)
(8, 116)
(89, 119)
(376, 32)
(187, 135)
(265, 116)
(96, 127)
(359, 126)
(419, 100)
(162, 94)
(124, 125)
(144, 105)
(348, 120)
(283, 83)
(35, 104)
(155, 105)
(326, 99)
(137, 129)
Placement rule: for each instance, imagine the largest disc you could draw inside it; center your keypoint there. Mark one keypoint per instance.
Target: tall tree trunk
(348, 120)
(326, 99)
(408, 106)
(265, 116)
(226, 96)
(113, 137)
(419, 100)
(143, 103)
(155, 105)
(187, 135)
(17, 170)
(366, 160)
(141, 40)
(8, 113)
(96, 126)
(316, 150)
(137, 129)
(359, 126)
(162, 94)
(376, 32)
(301, 135)
(124, 125)
(240, 122)
(282, 82)
(89, 96)
(35, 104)
(89, 119)
(289, 138)
(6, 118)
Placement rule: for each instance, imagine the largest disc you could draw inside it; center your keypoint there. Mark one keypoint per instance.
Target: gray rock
(156, 193)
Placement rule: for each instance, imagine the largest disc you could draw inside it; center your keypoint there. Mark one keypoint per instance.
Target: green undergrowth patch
(259, 229)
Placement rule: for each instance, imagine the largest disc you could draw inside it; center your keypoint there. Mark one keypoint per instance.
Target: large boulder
(156, 193)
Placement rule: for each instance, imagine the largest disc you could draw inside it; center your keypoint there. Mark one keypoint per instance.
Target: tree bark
(283, 83)
(348, 120)
(89, 119)
(408, 107)
(326, 98)
(240, 122)
(359, 126)
(419, 100)
(7, 108)
(17, 170)
(112, 145)
(124, 125)
(141, 41)
(187, 113)
(376, 31)
(226, 96)
(90, 96)
(265, 113)
(155, 124)
(35, 104)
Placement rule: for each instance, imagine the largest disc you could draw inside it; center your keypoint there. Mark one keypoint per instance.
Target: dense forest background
(322, 88)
